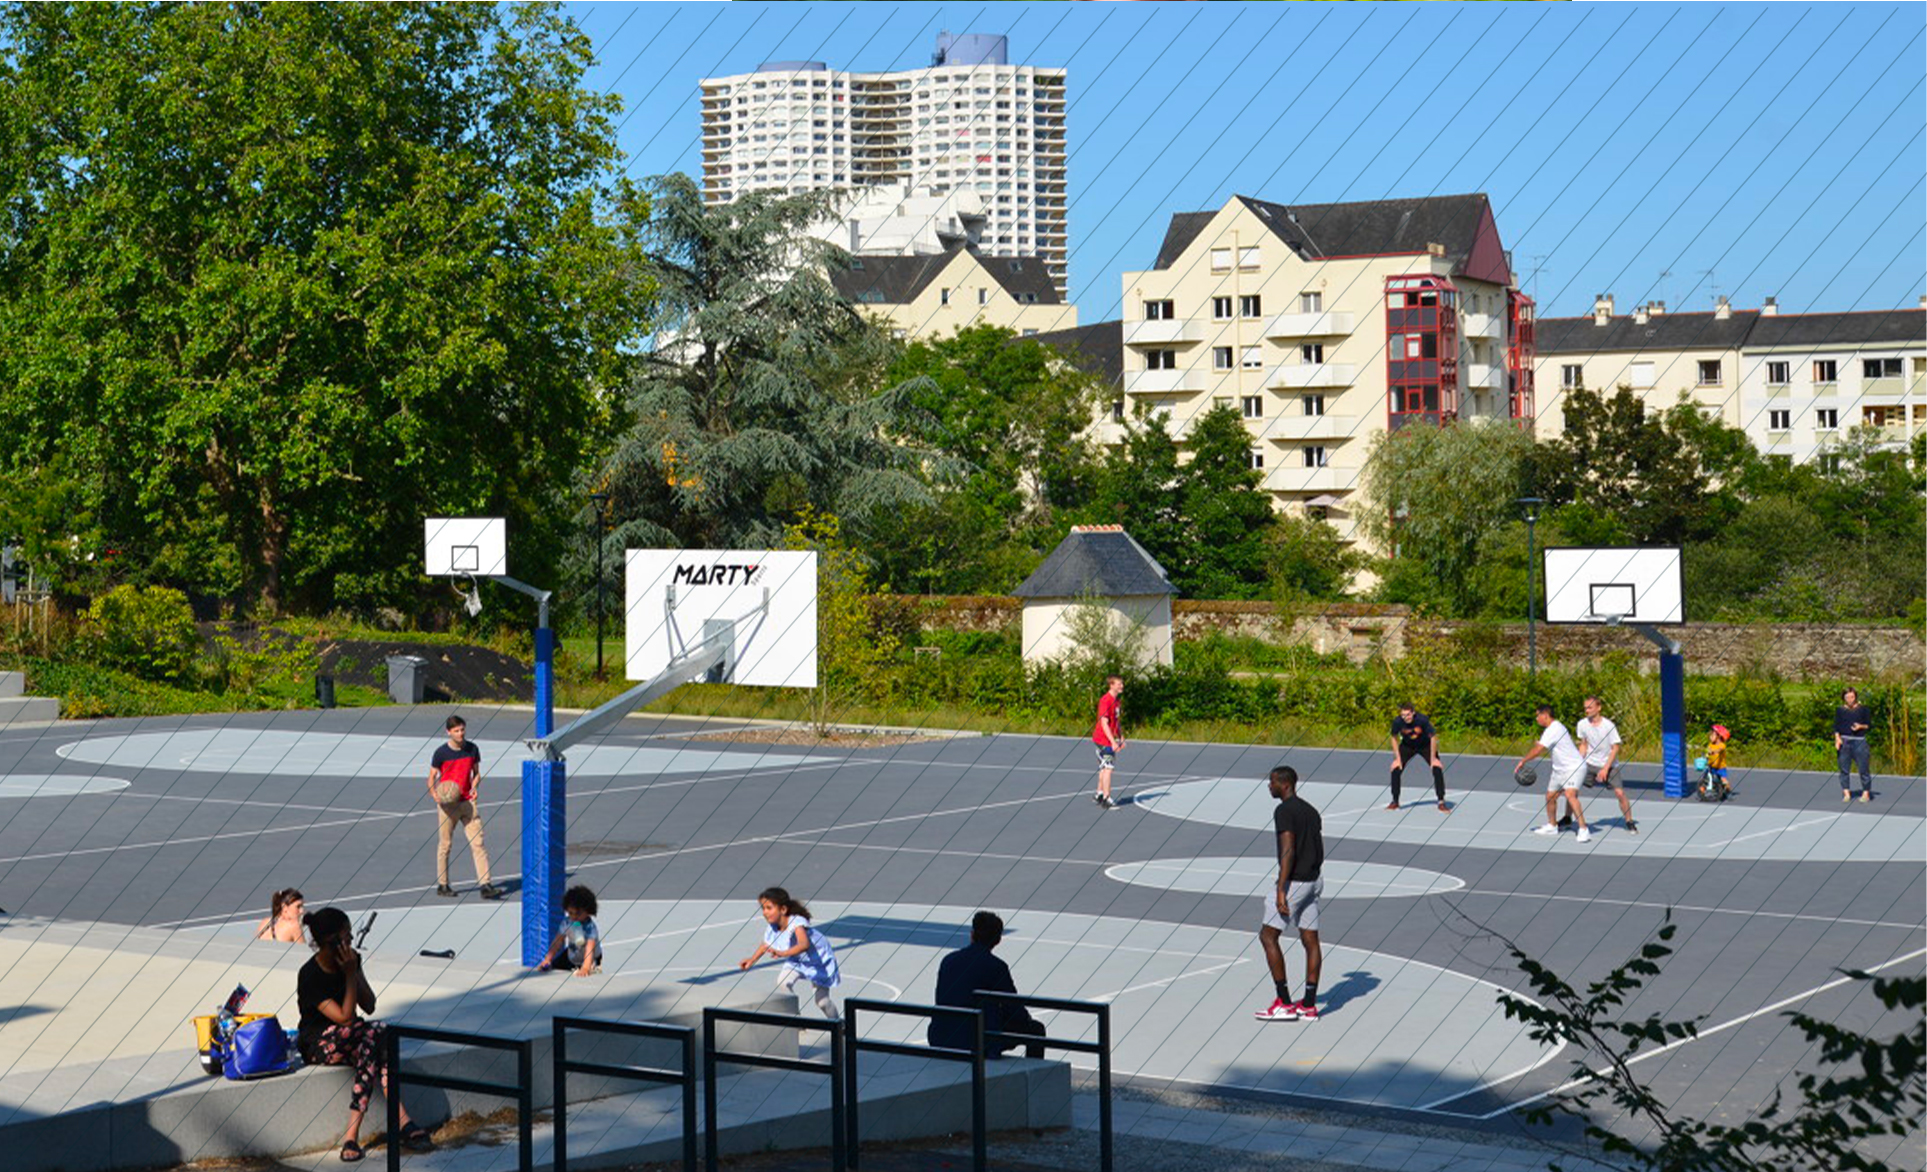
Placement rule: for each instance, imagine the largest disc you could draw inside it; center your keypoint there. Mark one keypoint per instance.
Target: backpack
(259, 1049)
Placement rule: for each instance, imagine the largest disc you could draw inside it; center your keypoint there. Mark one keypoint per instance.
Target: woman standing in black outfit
(332, 992)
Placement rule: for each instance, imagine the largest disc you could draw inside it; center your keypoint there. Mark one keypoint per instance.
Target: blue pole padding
(544, 855)
(1672, 722)
(544, 681)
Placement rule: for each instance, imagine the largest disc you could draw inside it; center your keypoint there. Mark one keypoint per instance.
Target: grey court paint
(304, 754)
(1183, 995)
(55, 785)
(1256, 877)
(1503, 821)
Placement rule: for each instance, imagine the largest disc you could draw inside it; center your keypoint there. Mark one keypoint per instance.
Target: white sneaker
(1545, 828)
(1585, 834)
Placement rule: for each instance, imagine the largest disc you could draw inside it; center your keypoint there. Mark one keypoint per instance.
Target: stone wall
(1361, 630)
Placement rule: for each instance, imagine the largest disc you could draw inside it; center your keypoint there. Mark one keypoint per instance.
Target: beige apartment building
(1797, 384)
(1323, 325)
(930, 296)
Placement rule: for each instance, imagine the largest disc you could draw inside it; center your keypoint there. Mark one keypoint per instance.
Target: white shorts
(1302, 898)
(1570, 779)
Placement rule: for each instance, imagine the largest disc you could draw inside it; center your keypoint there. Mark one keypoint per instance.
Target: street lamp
(601, 500)
(1531, 505)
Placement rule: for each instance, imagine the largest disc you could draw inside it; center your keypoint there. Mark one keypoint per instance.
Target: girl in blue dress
(804, 951)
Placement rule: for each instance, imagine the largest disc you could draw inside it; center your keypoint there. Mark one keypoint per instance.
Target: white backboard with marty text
(1601, 585)
(457, 546)
(676, 596)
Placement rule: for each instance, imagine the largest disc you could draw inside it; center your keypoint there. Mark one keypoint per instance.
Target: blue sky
(1653, 151)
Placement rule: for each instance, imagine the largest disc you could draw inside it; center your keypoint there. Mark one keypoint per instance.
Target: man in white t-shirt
(1568, 764)
(1599, 737)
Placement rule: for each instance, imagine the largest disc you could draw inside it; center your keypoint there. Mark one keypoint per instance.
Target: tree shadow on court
(1349, 988)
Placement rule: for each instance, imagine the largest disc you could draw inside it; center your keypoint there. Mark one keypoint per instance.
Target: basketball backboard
(1615, 584)
(465, 547)
(678, 597)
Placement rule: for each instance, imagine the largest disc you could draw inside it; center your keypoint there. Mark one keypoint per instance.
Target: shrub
(146, 631)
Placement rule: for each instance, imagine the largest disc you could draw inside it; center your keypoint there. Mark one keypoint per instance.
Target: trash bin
(406, 676)
(324, 691)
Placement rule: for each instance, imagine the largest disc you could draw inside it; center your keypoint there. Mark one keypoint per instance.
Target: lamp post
(1531, 505)
(601, 500)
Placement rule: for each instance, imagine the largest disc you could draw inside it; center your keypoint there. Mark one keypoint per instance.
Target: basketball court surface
(186, 825)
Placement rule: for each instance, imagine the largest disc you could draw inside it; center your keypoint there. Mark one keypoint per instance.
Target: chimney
(1772, 307)
(1657, 309)
(1640, 315)
(1722, 309)
(1435, 249)
(1923, 302)
(1602, 309)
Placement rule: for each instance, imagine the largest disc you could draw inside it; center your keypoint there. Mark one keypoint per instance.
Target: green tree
(759, 397)
(1432, 495)
(1138, 485)
(1309, 561)
(277, 280)
(1226, 516)
(853, 650)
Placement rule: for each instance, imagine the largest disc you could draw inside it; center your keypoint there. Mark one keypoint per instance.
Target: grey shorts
(1106, 756)
(1302, 898)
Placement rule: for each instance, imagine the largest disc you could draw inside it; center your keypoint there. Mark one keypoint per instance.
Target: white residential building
(971, 121)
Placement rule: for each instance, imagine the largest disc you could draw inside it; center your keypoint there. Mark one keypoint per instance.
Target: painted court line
(1822, 821)
(1684, 907)
(1168, 980)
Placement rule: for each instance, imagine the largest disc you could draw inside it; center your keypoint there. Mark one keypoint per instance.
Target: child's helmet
(1719, 730)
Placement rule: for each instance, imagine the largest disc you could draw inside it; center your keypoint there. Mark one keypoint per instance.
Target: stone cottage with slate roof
(1097, 565)
(931, 295)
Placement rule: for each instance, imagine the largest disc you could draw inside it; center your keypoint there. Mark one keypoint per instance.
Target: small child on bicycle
(1716, 742)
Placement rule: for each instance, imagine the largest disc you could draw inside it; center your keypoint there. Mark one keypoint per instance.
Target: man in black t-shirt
(1850, 724)
(1413, 736)
(454, 785)
(1294, 903)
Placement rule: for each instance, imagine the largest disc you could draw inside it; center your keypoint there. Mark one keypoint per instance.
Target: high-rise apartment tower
(971, 121)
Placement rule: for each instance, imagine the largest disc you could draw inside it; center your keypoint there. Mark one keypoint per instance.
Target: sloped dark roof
(1099, 560)
(1369, 228)
(897, 280)
(1097, 349)
(1898, 326)
(1668, 331)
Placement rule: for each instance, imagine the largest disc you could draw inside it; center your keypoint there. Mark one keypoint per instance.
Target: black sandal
(350, 1152)
(415, 1138)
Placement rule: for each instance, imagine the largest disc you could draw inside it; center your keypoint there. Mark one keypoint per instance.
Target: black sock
(1284, 991)
(1311, 994)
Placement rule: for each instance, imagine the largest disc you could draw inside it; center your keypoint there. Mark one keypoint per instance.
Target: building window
(1827, 419)
(1710, 373)
(1160, 360)
(1117, 410)
(983, 297)
(1311, 303)
(1257, 460)
(1030, 333)
(1641, 376)
(1572, 376)
(1220, 259)
(943, 297)
(1159, 311)
(1829, 463)
(1779, 420)
(1254, 407)
(1779, 374)
(1314, 404)
(1220, 358)
(1315, 456)
(1880, 368)
(1251, 305)
(1313, 354)
(1221, 309)
(1252, 358)
(1826, 370)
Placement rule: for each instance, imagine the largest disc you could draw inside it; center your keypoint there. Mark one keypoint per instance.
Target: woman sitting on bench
(332, 992)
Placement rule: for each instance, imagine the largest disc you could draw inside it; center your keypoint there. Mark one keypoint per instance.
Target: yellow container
(204, 1036)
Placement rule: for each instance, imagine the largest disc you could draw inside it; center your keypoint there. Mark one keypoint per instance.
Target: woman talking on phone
(332, 993)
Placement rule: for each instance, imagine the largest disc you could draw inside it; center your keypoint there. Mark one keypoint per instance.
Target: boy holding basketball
(454, 785)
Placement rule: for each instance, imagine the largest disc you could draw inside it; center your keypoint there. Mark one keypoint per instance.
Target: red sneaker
(1305, 1012)
(1280, 1010)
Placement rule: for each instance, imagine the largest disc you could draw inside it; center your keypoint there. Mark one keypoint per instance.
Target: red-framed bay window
(1421, 350)
(1521, 354)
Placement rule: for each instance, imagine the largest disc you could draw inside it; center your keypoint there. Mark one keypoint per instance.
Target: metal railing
(979, 1111)
(523, 1090)
(712, 1056)
(685, 1077)
(1102, 1048)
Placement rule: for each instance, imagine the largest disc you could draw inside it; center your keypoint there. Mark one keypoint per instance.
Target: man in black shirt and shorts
(1294, 904)
(1413, 736)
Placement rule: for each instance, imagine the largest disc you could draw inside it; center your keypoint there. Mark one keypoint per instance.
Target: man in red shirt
(1108, 736)
(454, 785)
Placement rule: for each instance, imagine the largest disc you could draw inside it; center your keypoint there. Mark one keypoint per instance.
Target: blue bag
(258, 1049)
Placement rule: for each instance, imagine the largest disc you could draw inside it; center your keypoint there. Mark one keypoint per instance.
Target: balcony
(1162, 332)
(1883, 388)
(1484, 325)
(1330, 324)
(1163, 382)
(1298, 376)
(1484, 377)
(1300, 479)
(1289, 428)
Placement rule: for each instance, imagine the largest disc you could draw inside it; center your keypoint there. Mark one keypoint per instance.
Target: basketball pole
(1672, 706)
